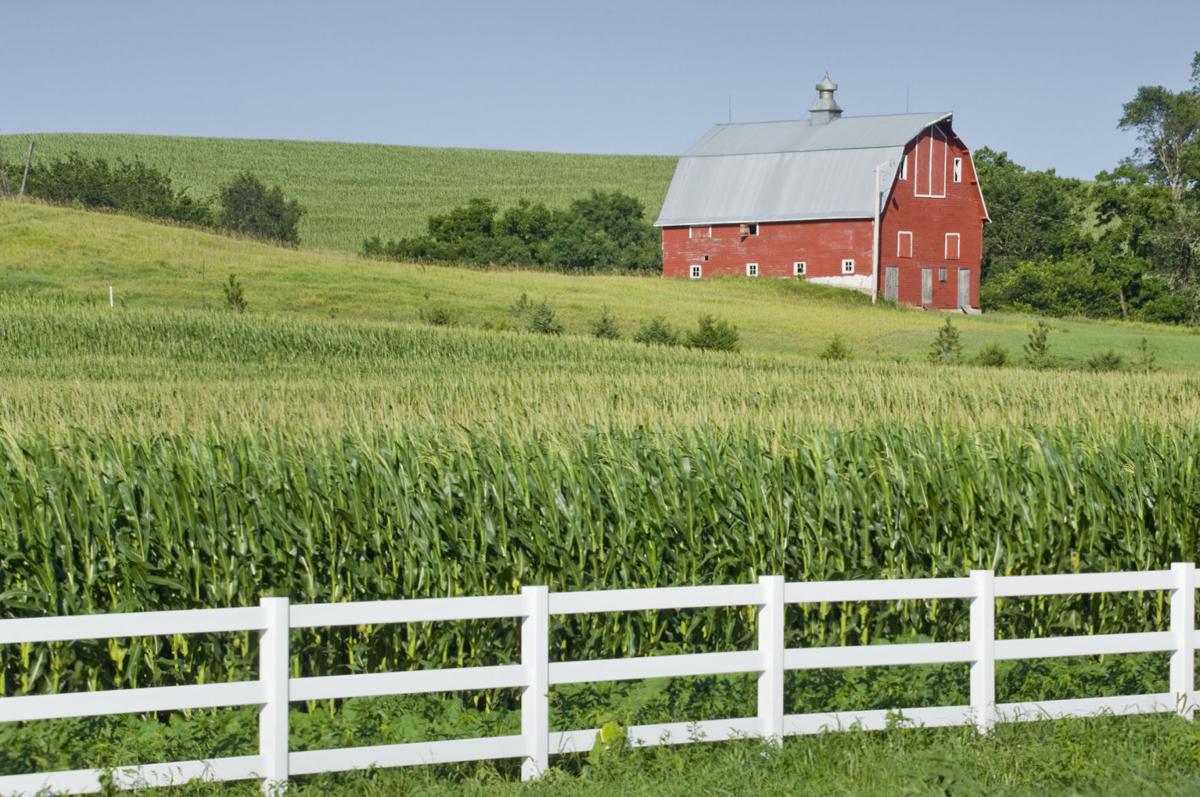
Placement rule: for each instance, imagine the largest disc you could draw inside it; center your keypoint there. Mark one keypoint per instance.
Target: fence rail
(274, 690)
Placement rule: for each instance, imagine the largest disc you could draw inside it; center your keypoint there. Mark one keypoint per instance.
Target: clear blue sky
(1043, 80)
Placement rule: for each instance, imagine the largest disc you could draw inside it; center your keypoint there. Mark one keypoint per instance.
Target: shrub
(247, 206)
(657, 332)
(993, 355)
(1037, 348)
(235, 297)
(837, 350)
(947, 346)
(605, 326)
(713, 334)
(1145, 360)
(437, 315)
(1106, 361)
(543, 320)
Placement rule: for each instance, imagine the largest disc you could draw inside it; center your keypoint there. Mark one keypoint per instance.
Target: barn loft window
(953, 245)
(848, 266)
(699, 232)
(903, 168)
(696, 273)
(904, 243)
(941, 275)
(958, 170)
(799, 268)
(752, 269)
(748, 229)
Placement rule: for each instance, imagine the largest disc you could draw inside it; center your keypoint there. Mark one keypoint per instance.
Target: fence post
(770, 647)
(273, 675)
(1183, 627)
(983, 644)
(535, 706)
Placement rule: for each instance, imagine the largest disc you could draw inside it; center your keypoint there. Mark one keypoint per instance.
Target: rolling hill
(354, 191)
(80, 254)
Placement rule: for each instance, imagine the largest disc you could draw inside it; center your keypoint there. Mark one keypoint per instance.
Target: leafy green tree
(947, 345)
(249, 207)
(713, 334)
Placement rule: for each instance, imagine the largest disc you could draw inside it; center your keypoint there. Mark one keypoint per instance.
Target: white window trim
(916, 171)
(903, 168)
(752, 269)
(957, 246)
(799, 268)
(900, 249)
(956, 172)
(848, 265)
(700, 231)
(695, 272)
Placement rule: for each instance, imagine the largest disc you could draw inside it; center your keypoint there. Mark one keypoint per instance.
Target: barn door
(926, 286)
(891, 283)
(964, 287)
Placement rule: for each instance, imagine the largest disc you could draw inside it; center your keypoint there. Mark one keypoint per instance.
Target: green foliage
(837, 350)
(605, 326)
(1037, 348)
(1146, 357)
(993, 355)
(657, 332)
(235, 295)
(1106, 361)
(713, 334)
(131, 186)
(437, 315)
(946, 348)
(249, 207)
(603, 231)
(543, 320)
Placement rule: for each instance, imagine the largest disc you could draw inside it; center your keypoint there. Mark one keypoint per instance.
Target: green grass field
(354, 191)
(81, 254)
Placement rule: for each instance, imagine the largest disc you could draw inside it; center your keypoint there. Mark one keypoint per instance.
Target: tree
(1037, 348)
(605, 326)
(713, 334)
(247, 206)
(1167, 124)
(947, 346)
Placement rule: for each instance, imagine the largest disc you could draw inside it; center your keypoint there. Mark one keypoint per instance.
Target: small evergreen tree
(247, 206)
(657, 332)
(713, 334)
(543, 320)
(1106, 361)
(1145, 360)
(235, 297)
(947, 346)
(605, 326)
(1037, 348)
(837, 350)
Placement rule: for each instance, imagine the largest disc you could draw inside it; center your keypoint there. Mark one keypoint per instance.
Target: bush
(1145, 360)
(713, 334)
(543, 320)
(657, 332)
(1106, 361)
(1037, 348)
(837, 350)
(249, 207)
(993, 355)
(437, 315)
(235, 297)
(947, 346)
(605, 326)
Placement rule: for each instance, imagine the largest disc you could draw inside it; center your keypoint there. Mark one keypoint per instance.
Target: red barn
(886, 205)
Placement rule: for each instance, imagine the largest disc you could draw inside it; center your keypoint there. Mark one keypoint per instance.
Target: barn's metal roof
(789, 171)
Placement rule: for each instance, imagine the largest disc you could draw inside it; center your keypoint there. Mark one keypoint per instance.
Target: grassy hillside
(81, 254)
(353, 191)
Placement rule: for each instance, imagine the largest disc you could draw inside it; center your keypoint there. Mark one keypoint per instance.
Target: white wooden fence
(274, 690)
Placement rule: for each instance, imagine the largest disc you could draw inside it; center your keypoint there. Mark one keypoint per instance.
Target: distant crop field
(353, 191)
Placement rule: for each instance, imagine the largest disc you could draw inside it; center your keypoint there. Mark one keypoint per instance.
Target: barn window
(799, 268)
(904, 243)
(699, 232)
(749, 229)
(953, 245)
(958, 170)
(941, 275)
(848, 266)
(752, 269)
(696, 272)
(903, 168)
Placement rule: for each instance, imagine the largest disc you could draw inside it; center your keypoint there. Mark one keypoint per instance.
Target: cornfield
(178, 460)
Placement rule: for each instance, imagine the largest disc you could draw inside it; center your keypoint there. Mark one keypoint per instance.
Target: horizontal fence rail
(535, 674)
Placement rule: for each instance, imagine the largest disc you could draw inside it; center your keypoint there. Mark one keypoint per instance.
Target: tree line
(243, 205)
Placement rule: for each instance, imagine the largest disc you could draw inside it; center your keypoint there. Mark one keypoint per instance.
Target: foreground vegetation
(354, 191)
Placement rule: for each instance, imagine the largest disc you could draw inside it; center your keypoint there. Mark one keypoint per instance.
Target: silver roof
(789, 171)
